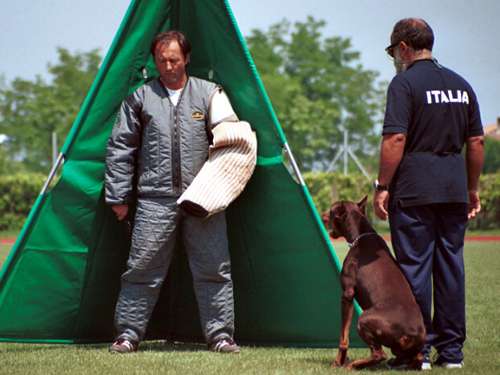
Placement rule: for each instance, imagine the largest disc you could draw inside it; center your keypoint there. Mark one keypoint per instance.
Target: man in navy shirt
(426, 187)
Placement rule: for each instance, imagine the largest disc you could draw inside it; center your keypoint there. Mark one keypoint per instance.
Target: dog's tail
(410, 347)
(416, 362)
(325, 218)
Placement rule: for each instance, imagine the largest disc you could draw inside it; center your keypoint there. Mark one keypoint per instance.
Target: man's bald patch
(415, 32)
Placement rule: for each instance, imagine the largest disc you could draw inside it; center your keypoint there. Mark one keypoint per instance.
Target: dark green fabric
(60, 282)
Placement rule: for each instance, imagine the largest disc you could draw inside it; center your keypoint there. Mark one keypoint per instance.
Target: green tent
(61, 280)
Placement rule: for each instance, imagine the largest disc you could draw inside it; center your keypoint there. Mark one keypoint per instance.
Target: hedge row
(328, 187)
(489, 192)
(17, 194)
(19, 191)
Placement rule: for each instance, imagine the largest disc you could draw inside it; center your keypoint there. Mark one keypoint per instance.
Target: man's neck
(177, 85)
(402, 63)
(423, 54)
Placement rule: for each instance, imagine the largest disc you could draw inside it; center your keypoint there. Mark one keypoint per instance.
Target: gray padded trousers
(157, 222)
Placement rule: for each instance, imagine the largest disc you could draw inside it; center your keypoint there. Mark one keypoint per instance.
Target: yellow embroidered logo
(198, 115)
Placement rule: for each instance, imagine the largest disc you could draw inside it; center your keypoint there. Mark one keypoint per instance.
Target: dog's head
(337, 219)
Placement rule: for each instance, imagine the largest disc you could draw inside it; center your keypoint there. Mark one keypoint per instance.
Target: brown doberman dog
(391, 316)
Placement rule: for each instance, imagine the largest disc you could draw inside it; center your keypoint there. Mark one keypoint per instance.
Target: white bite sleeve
(221, 109)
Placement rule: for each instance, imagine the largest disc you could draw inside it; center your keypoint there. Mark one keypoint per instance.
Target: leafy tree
(30, 110)
(491, 155)
(8, 165)
(318, 87)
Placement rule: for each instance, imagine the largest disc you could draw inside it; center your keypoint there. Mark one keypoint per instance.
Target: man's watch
(378, 187)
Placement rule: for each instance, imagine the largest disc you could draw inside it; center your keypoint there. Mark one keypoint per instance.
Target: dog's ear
(337, 210)
(325, 218)
(362, 204)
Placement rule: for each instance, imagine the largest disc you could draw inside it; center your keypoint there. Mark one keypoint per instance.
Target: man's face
(171, 64)
(398, 61)
(402, 56)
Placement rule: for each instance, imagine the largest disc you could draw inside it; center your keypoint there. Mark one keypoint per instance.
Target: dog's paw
(350, 366)
(338, 363)
(335, 364)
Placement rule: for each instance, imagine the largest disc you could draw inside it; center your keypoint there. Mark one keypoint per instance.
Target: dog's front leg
(347, 313)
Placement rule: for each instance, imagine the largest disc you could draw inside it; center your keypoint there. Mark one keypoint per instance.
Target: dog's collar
(356, 240)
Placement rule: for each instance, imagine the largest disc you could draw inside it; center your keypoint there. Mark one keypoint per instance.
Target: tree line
(317, 84)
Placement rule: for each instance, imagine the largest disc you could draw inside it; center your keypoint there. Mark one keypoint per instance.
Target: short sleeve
(475, 126)
(398, 107)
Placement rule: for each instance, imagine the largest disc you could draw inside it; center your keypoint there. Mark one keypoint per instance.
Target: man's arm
(475, 159)
(121, 156)
(391, 153)
(396, 122)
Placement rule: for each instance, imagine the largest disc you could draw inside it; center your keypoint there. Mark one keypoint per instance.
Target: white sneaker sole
(453, 365)
(426, 366)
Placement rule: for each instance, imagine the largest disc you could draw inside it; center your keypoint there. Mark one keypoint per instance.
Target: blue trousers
(428, 242)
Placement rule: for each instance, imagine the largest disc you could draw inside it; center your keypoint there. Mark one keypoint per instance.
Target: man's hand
(475, 160)
(120, 211)
(391, 153)
(474, 204)
(380, 204)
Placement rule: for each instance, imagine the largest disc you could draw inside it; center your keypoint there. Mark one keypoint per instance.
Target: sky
(466, 33)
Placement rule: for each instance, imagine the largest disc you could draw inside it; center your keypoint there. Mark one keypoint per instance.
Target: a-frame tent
(61, 279)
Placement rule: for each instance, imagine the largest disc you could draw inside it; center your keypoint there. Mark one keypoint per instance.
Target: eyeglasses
(391, 48)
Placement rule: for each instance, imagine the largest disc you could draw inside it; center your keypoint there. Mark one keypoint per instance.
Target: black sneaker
(225, 345)
(123, 346)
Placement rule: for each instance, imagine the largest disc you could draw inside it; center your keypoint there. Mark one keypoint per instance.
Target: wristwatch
(378, 187)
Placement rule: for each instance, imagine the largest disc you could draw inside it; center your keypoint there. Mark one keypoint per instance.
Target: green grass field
(481, 350)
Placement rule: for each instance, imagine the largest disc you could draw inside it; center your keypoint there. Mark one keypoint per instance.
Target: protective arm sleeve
(121, 154)
(220, 109)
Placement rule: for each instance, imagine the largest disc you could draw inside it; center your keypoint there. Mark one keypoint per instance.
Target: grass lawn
(481, 350)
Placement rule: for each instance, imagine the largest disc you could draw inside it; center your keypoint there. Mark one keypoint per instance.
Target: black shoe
(123, 346)
(426, 363)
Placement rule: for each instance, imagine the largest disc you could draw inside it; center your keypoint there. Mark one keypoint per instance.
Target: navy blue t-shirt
(437, 110)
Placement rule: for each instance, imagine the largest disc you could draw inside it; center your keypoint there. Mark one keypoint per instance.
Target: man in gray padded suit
(161, 133)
